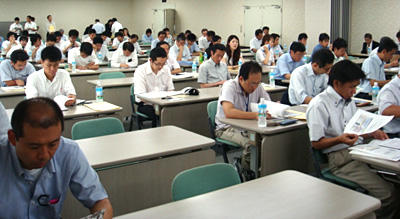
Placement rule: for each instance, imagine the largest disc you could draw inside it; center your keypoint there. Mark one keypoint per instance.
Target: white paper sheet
(364, 122)
(376, 151)
(184, 75)
(159, 94)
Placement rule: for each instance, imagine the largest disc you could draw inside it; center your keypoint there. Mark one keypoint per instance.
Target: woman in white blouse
(233, 54)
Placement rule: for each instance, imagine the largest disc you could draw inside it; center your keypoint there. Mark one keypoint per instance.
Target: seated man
(275, 48)
(172, 64)
(84, 57)
(255, 43)
(235, 101)
(4, 125)
(192, 45)
(323, 42)
(213, 72)
(23, 44)
(327, 115)
(125, 57)
(92, 35)
(152, 76)
(180, 51)
(133, 39)
(51, 81)
(214, 40)
(290, 61)
(9, 43)
(389, 105)
(42, 165)
(66, 46)
(302, 38)
(36, 41)
(339, 47)
(368, 44)
(118, 39)
(160, 38)
(147, 37)
(100, 50)
(50, 41)
(203, 42)
(309, 80)
(106, 38)
(14, 72)
(374, 69)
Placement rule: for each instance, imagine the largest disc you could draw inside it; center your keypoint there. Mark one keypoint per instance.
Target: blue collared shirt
(68, 168)
(8, 72)
(194, 48)
(147, 39)
(389, 96)
(286, 65)
(373, 68)
(154, 43)
(318, 47)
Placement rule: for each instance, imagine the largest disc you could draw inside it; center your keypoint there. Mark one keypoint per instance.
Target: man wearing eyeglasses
(235, 101)
(152, 76)
(39, 165)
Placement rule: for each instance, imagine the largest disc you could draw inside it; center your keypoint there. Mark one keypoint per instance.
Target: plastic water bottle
(99, 92)
(272, 79)
(369, 50)
(205, 56)
(240, 63)
(305, 59)
(194, 66)
(284, 48)
(30, 53)
(73, 67)
(100, 57)
(375, 92)
(262, 114)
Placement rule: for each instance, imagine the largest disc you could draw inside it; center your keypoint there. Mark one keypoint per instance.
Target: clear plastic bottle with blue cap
(205, 56)
(262, 114)
(73, 64)
(99, 92)
(194, 66)
(375, 92)
(272, 79)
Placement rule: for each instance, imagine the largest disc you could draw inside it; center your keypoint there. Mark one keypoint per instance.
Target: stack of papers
(102, 106)
(388, 149)
(85, 71)
(13, 88)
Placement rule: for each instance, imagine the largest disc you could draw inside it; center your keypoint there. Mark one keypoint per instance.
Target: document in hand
(364, 122)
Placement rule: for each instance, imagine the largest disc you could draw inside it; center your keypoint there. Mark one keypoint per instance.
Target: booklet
(364, 122)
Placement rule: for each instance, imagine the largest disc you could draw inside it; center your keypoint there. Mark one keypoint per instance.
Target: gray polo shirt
(209, 72)
(8, 72)
(327, 115)
(232, 92)
(388, 96)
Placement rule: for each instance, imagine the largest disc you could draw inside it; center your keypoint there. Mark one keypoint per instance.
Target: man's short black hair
(249, 68)
(106, 33)
(98, 40)
(188, 32)
(91, 31)
(323, 37)
(148, 30)
(302, 36)
(51, 37)
(218, 46)
(322, 57)
(19, 55)
(297, 47)
(48, 16)
(180, 37)
(157, 52)
(368, 35)
(257, 32)
(166, 29)
(73, 33)
(86, 48)
(339, 43)
(133, 36)
(114, 19)
(398, 34)
(274, 36)
(9, 34)
(265, 28)
(210, 33)
(345, 71)
(16, 19)
(159, 44)
(23, 114)
(23, 38)
(96, 20)
(161, 33)
(51, 53)
(215, 38)
(204, 29)
(119, 34)
(191, 37)
(35, 37)
(128, 46)
(387, 44)
(58, 34)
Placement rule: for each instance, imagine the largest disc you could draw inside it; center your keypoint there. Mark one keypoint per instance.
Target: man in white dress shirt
(11, 42)
(172, 64)
(180, 51)
(16, 27)
(71, 43)
(50, 24)
(84, 57)
(125, 57)
(30, 25)
(255, 43)
(116, 26)
(118, 39)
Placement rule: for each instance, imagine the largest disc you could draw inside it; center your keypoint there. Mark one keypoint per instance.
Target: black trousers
(365, 96)
(148, 110)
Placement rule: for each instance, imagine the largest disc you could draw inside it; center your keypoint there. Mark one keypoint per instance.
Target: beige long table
(79, 113)
(288, 194)
(384, 164)
(10, 99)
(137, 168)
(79, 79)
(390, 72)
(264, 76)
(360, 55)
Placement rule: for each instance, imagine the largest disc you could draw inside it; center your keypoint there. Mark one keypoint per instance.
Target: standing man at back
(98, 27)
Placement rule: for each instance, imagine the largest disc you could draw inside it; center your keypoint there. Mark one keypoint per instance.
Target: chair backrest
(132, 98)
(203, 179)
(109, 75)
(319, 159)
(96, 127)
(212, 111)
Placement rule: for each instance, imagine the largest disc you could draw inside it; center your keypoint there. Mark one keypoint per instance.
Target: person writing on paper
(389, 105)
(125, 57)
(327, 115)
(147, 37)
(339, 47)
(100, 50)
(118, 39)
(133, 39)
(374, 68)
(264, 56)
(213, 72)
(233, 54)
(51, 81)
(323, 40)
(288, 62)
(92, 35)
(172, 64)
(50, 41)
(235, 101)
(84, 57)
(14, 72)
(180, 51)
(309, 80)
(36, 41)
(66, 46)
(152, 76)
(42, 166)
(160, 38)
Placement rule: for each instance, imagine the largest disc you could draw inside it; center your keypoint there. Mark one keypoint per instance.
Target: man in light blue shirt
(389, 105)
(39, 166)
(160, 38)
(323, 42)
(192, 45)
(14, 72)
(180, 51)
(213, 72)
(290, 61)
(4, 125)
(98, 27)
(373, 67)
(309, 80)
(147, 37)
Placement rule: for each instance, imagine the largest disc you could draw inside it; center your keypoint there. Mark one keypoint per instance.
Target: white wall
(67, 14)
(380, 18)
(293, 20)
(317, 20)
